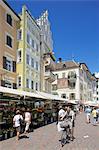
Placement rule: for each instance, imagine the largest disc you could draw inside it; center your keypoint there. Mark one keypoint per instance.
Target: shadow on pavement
(24, 137)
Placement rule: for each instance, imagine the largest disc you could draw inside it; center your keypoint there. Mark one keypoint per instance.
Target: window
(9, 41)
(27, 83)
(36, 86)
(19, 34)
(32, 62)
(27, 59)
(71, 84)
(72, 96)
(32, 85)
(33, 43)
(72, 75)
(64, 65)
(19, 81)
(8, 84)
(54, 87)
(57, 76)
(63, 95)
(63, 75)
(37, 47)
(36, 65)
(8, 65)
(19, 56)
(97, 93)
(28, 39)
(9, 19)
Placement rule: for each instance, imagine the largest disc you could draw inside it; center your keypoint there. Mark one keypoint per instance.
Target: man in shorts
(16, 121)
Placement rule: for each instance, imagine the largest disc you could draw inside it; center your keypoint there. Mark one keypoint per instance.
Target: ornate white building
(73, 81)
(47, 57)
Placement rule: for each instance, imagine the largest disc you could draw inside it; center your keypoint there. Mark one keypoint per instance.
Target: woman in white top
(16, 121)
(27, 120)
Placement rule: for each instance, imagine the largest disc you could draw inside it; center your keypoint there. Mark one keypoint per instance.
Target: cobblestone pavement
(47, 138)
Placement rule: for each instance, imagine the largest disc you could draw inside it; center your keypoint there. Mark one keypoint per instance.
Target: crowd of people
(20, 119)
(65, 114)
(92, 115)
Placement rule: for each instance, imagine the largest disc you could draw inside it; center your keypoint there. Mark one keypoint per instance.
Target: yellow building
(28, 53)
(8, 45)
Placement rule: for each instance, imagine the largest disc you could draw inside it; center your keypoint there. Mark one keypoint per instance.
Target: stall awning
(72, 102)
(91, 103)
(21, 93)
(51, 96)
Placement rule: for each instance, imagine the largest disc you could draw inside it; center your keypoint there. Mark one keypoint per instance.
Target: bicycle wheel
(63, 138)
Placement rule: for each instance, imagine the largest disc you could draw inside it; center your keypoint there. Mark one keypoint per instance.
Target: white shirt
(61, 113)
(72, 114)
(16, 119)
(27, 116)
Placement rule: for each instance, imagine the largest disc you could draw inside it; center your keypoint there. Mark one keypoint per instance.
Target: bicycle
(65, 136)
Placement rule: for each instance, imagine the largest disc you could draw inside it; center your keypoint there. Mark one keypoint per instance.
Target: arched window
(64, 65)
(72, 79)
(63, 95)
(71, 84)
(72, 96)
(72, 75)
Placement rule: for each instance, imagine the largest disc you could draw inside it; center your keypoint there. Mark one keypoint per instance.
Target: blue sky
(75, 27)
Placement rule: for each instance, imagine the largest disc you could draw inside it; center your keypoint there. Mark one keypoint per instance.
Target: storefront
(43, 109)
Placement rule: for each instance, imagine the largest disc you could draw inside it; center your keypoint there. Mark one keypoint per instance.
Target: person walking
(94, 114)
(70, 116)
(17, 123)
(60, 115)
(88, 113)
(27, 120)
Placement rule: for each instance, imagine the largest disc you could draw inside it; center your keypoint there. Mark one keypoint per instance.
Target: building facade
(8, 45)
(73, 81)
(97, 86)
(47, 56)
(28, 53)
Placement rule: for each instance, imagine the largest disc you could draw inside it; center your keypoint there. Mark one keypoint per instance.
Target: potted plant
(1, 135)
(5, 133)
(1, 116)
(11, 132)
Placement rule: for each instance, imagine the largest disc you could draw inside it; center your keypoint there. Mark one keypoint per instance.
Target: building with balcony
(28, 52)
(73, 81)
(8, 45)
(47, 56)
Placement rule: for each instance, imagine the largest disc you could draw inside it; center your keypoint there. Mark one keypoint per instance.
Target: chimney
(60, 60)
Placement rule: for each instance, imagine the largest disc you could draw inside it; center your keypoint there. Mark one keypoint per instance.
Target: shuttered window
(14, 86)
(9, 19)
(9, 41)
(4, 62)
(14, 66)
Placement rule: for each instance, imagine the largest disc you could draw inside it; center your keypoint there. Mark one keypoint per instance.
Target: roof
(66, 65)
(33, 19)
(85, 67)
